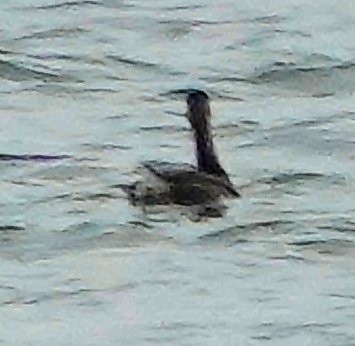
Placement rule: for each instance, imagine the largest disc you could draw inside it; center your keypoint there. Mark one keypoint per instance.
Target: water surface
(88, 92)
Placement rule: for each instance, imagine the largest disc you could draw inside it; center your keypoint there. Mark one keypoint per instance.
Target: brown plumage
(190, 185)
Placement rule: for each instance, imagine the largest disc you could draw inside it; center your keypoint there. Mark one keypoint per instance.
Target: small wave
(165, 128)
(66, 89)
(144, 65)
(107, 146)
(53, 33)
(99, 90)
(250, 122)
(35, 157)
(193, 23)
(287, 257)
(54, 56)
(184, 7)
(338, 243)
(318, 81)
(221, 78)
(56, 296)
(6, 52)
(348, 226)
(285, 178)
(100, 196)
(16, 72)
(85, 226)
(238, 233)
(332, 118)
(270, 19)
(292, 33)
(64, 196)
(133, 62)
(11, 228)
(24, 183)
(117, 117)
(69, 4)
(342, 296)
(308, 242)
(289, 178)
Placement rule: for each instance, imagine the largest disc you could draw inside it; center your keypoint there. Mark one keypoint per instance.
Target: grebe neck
(207, 160)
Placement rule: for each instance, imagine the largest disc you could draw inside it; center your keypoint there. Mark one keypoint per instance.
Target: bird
(188, 185)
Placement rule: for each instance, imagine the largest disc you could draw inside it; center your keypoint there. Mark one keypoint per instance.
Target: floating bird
(188, 185)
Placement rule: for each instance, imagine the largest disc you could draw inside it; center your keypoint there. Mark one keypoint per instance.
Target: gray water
(92, 83)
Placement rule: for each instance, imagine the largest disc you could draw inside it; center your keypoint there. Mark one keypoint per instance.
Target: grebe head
(198, 110)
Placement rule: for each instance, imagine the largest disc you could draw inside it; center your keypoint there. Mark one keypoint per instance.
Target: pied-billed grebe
(189, 185)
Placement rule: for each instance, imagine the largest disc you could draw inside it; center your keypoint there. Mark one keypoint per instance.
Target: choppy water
(91, 83)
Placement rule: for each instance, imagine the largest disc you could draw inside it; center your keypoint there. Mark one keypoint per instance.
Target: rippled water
(87, 93)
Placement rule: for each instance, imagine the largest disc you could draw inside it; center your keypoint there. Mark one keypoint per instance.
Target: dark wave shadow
(286, 178)
(194, 23)
(143, 65)
(91, 235)
(132, 62)
(14, 72)
(69, 4)
(344, 227)
(162, 128)
(106, 146)
(6, 52)
(240, 233)
(184, 7)
(333, 246)
(269, 19)
(35, 157)
(11, 228)
(318, 81)
(80, 197)
(54, 33)
(86, 3)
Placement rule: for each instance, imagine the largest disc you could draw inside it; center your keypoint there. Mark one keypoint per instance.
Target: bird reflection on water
(201, 186)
